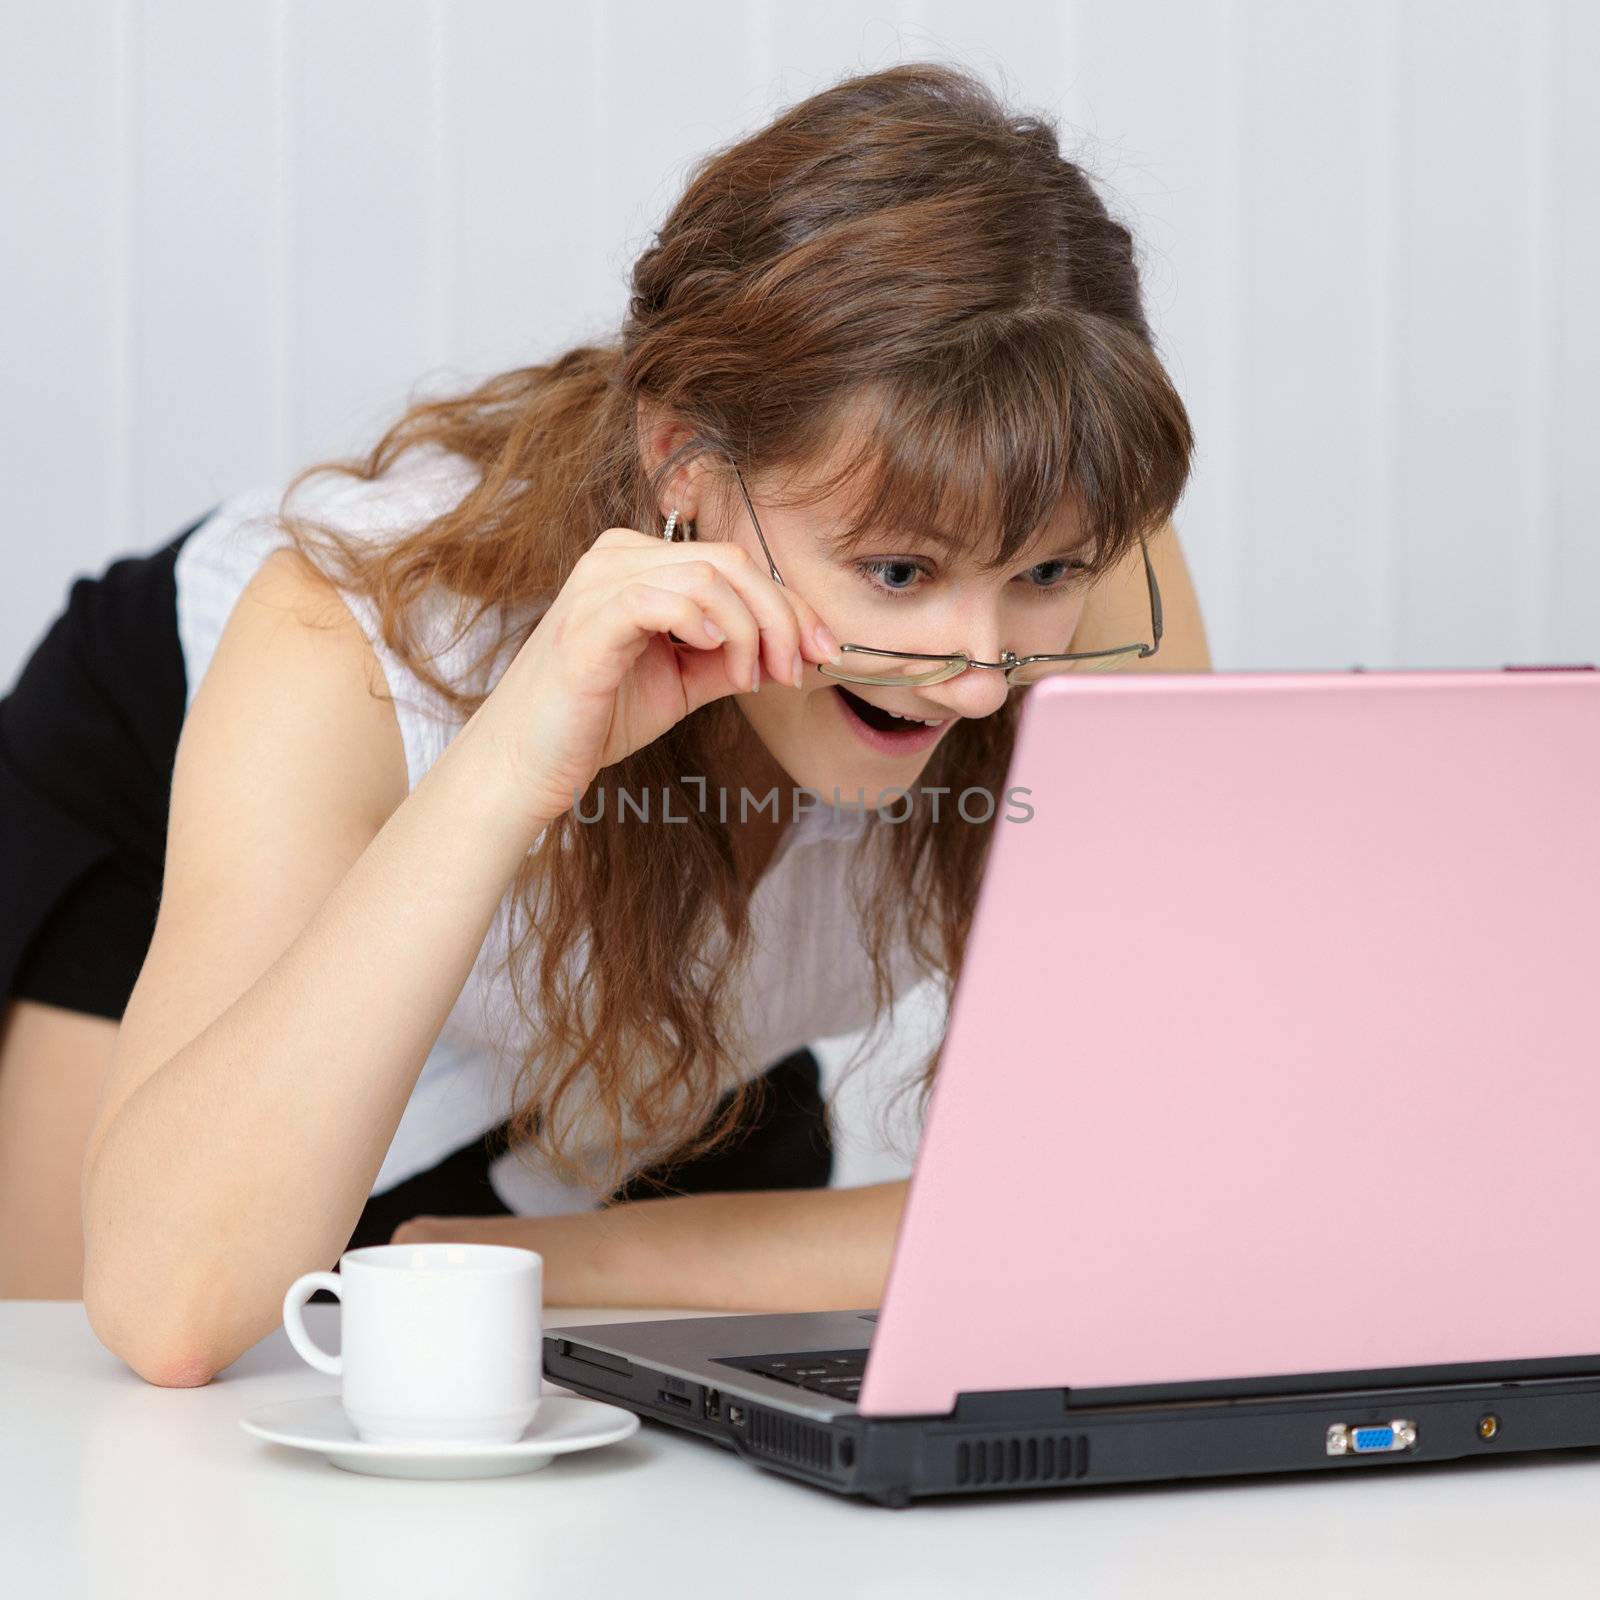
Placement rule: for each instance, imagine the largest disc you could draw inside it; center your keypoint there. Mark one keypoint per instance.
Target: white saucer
(563, 1423)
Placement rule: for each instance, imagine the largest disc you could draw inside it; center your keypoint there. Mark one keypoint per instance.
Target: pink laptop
(1264, 1137)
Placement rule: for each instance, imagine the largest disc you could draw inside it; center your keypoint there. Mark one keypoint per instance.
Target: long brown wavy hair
(900, 248)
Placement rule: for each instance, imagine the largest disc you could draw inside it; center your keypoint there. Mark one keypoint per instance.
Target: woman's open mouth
(882, 730)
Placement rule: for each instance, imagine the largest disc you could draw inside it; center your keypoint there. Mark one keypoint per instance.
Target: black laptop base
(1037, 1439)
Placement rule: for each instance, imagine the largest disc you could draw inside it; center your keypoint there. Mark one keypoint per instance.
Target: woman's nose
(977, 692)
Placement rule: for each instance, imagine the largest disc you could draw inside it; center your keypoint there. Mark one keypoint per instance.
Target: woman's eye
(897, 575)
(890, 575)
(1048, 575)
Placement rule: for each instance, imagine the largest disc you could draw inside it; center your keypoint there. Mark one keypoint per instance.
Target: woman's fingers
(707, 676)
(790, 631)
(658, 609)
(600, 643)
(766, 622)
(704, 583)
(418, 1230)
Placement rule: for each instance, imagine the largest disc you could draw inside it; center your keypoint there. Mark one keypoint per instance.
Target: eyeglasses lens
(1035, 670)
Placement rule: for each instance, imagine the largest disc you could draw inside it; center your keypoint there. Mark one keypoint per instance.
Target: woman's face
(899, 593)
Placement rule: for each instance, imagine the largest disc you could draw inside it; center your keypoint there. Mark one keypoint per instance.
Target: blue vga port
(1371, 1438)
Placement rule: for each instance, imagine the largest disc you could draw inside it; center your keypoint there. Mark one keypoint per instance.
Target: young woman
(492, 813)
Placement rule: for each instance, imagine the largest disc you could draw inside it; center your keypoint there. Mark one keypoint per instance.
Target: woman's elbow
(162, 1359)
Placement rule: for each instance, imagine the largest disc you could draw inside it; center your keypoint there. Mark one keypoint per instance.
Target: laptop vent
(1022, 1458)
(772, 1434)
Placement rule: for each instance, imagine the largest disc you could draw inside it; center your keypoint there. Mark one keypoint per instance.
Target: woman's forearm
(247, 1157)
(764, 1250)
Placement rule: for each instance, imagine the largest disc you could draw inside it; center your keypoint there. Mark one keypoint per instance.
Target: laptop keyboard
(837, 1373)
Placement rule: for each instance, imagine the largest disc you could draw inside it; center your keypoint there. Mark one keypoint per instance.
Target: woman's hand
(466, 1230)
(759, 1250)
(528, 1233)
(579, 1269)
(642, 633)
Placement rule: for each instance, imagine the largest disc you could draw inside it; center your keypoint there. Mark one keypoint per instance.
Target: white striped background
(236, 235)
(233, 236)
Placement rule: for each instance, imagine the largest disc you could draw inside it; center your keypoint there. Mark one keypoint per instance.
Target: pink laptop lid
(1274, 1049)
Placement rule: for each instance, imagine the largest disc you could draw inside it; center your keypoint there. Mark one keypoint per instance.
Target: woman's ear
(660, 433)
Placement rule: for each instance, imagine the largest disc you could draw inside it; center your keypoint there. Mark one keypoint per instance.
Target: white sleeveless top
(807, 978)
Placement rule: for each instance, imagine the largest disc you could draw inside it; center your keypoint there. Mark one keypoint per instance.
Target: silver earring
(666, 532)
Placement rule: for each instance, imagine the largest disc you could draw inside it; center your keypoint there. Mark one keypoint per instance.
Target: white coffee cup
(438, 1342)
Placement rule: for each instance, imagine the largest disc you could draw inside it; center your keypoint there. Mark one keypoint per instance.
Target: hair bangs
(982, 452)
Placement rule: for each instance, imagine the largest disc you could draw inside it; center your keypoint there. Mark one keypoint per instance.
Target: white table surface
(112, 1488)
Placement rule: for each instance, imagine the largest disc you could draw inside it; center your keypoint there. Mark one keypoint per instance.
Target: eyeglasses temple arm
(1155, 592)
(772, 565)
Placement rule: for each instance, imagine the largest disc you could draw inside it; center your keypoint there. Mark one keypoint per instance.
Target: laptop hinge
(1008, 1405)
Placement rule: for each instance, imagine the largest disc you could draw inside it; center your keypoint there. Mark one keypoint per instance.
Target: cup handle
(300, 1291)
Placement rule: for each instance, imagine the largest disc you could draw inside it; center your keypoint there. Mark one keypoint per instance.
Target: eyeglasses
(918, 667)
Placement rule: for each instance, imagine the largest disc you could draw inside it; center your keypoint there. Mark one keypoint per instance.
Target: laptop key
(835, 1373)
